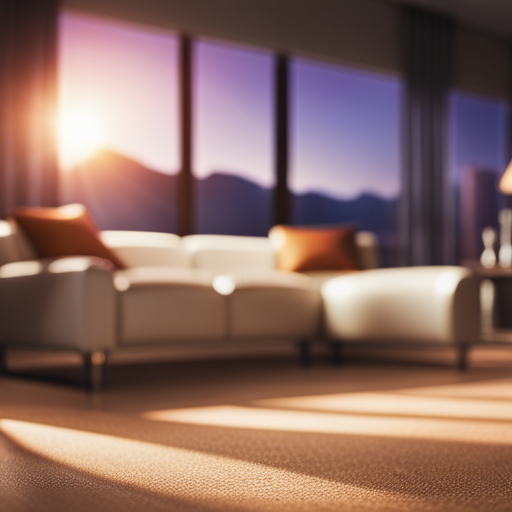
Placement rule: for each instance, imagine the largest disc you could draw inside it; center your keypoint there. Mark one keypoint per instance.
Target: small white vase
(488, 258)
(505, 254)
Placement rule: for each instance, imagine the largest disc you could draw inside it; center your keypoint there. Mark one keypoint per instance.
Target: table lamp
(506, 180)
(505, 218)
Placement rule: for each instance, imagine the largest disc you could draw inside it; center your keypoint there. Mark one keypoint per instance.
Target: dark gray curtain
(508, 198)
(28, 50)
(426, 215)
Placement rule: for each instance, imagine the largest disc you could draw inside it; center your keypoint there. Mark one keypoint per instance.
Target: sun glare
(80, 137)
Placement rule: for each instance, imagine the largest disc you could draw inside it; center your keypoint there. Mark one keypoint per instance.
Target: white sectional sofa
(207, 288)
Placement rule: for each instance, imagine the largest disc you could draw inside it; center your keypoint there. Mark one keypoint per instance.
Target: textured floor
(262, 435)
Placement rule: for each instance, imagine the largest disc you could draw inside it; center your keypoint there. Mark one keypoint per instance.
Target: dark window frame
(186, 198)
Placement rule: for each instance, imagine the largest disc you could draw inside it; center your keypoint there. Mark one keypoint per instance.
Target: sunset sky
(125, 76)
(345, 123)
(233, 112)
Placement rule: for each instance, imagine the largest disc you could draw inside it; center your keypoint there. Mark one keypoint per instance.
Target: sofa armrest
(415, 304)
(65, 303)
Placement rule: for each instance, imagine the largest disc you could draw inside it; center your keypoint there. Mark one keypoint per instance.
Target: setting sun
(80, 136)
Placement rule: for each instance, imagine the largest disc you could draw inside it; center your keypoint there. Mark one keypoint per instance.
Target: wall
(361, 33)
(482, 63)
(358, 32)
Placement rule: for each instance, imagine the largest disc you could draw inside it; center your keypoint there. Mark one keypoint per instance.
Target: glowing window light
(80, 137)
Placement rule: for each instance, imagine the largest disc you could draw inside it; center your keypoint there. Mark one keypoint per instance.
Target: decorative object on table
(506, 180)
(505, 254)
(488, 258)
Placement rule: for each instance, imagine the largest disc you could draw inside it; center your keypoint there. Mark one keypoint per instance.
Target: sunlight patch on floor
(397, 404)
(234, 416)
(495, 389)
(191, 476)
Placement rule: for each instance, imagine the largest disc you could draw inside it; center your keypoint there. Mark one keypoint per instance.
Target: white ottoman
(411, 305)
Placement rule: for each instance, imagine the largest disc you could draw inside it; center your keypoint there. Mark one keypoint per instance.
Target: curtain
(508, 198)
(28, 51)
(426, 214)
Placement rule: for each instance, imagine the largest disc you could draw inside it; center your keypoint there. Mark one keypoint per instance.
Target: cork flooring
(263, 435)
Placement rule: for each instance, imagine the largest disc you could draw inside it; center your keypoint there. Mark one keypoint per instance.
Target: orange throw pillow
(65, 231)
(315, 248)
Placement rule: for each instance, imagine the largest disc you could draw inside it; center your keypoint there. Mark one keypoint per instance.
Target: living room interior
(243, 263)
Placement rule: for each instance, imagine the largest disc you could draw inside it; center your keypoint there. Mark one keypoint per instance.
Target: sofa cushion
(166, 305)
(140, 277)
(272, 304)
(225, 253)
(65, 231)
(315, 248)
(144, 249)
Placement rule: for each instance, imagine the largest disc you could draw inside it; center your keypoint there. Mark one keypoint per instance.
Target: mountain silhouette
(231, 205)
(121, 193)
(366, 212)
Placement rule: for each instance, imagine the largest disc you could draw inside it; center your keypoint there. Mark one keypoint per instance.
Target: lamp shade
(506, 180)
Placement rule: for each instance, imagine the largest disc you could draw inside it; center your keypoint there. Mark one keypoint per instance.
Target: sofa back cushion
(65, 231)
(144, 249)
(225, 253)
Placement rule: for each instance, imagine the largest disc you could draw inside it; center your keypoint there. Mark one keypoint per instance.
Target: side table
(495, 303)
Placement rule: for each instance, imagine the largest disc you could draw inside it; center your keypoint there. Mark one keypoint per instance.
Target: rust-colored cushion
(65, 231)
(315, 248)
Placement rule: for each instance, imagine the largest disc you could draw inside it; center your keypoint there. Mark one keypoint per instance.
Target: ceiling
(491, 15)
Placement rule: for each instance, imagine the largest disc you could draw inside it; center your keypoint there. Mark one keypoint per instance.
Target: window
(119, 134)
(345, 149)
(118, 107)
(478, 134)
(232, 139)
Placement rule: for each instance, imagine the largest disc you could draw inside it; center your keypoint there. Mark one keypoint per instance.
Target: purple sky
(345, 131)
(233, 112)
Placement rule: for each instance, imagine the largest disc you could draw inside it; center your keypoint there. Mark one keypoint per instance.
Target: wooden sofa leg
(305, 353)
(94, 366)
(336, 353)
(462, 356)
